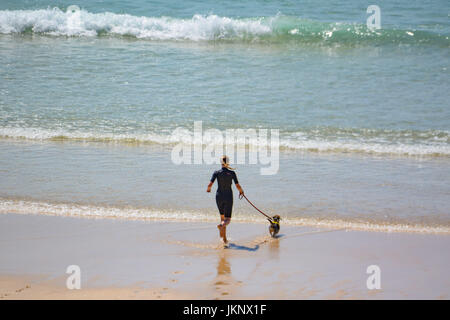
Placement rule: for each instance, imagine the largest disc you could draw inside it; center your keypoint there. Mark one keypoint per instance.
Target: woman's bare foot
(225, 240)
(220, 227)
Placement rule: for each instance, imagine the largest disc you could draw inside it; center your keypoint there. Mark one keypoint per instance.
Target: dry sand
(123, 259)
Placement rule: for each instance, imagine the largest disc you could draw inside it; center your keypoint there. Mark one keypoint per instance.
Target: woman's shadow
(273, 243)
(234, 246)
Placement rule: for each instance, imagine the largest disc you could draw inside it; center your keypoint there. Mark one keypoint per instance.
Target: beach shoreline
(122, 259)
(115, 116)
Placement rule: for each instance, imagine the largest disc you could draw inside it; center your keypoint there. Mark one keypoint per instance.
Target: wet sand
(130, 259)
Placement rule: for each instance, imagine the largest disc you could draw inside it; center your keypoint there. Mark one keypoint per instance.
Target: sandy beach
(126, 259)
(127, 128)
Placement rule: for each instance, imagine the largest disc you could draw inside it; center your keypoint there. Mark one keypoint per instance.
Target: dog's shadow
(234, 246)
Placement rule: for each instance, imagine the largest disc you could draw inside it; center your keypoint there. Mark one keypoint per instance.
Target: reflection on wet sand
(224, 283)
(223, 280)
(223, 266)
(274, 248)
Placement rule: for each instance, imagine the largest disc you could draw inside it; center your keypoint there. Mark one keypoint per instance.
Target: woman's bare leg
(225, 222)
(221, 226)
(225, 234)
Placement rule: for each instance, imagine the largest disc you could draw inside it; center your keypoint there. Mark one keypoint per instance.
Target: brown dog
(274, 227)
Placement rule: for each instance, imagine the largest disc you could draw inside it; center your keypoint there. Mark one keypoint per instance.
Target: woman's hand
(209, 187)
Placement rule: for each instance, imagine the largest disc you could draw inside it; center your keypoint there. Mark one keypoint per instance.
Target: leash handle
(243, 196)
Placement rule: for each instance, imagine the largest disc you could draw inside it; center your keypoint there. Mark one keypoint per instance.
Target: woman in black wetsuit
(224, 195)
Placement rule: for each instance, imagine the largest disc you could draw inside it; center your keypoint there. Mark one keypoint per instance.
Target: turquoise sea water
(89, 100)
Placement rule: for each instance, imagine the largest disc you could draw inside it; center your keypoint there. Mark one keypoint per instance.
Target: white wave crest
(83, 23)
(290, 142)
(368, 147)
(89, 211)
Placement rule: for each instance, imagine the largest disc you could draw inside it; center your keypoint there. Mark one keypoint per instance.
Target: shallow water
(332, 190)
(89, 101)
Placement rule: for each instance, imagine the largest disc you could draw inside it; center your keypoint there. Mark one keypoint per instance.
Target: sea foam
(83, 23)
(272, 29)
(433, 143)
(92, 211)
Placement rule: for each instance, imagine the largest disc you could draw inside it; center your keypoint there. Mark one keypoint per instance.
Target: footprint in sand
(4, 295)
(21, 289)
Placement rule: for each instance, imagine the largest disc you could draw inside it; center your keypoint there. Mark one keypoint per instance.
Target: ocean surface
(91, 93)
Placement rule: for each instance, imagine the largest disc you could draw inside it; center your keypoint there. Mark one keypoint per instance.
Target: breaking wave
(89, 211)
(273, 29)
(434, 143)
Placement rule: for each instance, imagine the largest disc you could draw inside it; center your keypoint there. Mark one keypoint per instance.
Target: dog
(274, 227)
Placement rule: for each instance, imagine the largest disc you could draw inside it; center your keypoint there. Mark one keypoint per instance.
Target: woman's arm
(236, 182)
(238, 186)
(211, 182)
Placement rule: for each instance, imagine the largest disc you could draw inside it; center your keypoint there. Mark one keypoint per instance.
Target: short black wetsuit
(224, 194)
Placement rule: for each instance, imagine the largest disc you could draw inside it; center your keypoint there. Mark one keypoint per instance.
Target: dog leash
(243, 196)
